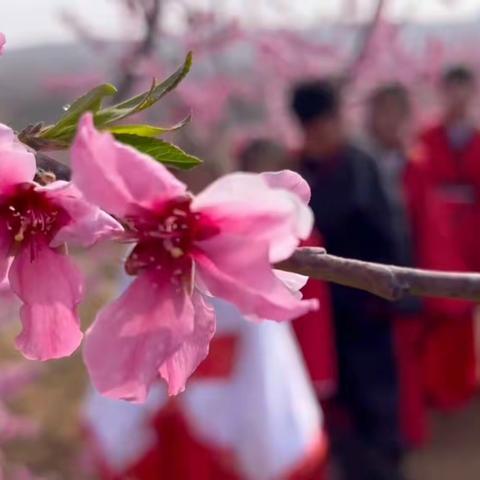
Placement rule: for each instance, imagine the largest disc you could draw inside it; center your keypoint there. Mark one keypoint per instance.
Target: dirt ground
(454, 450)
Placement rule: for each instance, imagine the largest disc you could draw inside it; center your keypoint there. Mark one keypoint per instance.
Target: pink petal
(239, 271)
(5, 250)
(2, 42)
(115, 176)
(176, 370)
(88, 223)
(293, 281)
(50, 286)
(244, 204)
(133, 336)
(291, 181)
(17, 164)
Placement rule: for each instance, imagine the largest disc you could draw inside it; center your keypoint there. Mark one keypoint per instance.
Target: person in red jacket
(449, 155)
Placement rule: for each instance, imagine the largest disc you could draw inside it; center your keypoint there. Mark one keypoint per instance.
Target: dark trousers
(363, 419)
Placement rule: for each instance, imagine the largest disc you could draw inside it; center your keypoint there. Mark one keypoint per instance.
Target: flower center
(165, 237)
(30, 214)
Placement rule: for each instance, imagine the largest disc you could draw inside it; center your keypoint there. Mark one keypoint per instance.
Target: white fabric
(121, 431)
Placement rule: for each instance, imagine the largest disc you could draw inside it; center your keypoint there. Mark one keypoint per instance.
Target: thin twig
(364, 42)
(386, 281)
(144, 49)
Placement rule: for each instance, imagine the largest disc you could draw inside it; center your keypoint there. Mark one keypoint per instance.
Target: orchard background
(247, 54)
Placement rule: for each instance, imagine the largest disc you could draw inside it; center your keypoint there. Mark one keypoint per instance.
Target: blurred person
(449, 154)
(388, 132)
(351, 210)
(388, 122)
(421, 241)
(419, 222)
(263, 155)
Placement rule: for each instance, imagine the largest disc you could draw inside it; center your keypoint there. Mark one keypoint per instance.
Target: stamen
(176, 252)
(21, 234)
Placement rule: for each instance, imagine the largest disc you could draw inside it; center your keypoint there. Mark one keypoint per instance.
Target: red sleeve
(315, 334)
(433, 243)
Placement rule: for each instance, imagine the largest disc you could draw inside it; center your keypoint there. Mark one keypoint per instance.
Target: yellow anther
(176, 252)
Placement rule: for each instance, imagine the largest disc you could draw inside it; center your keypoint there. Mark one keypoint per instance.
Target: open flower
(221, 243)
(35, 222)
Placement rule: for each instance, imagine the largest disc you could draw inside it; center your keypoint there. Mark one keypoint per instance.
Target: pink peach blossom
(35, 222)
(2, 42)
(221, 243)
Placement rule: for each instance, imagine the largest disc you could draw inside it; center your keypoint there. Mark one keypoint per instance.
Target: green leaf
(160, 150)
(91, 101)
(145, 100)
(62, 133)
(147, 130)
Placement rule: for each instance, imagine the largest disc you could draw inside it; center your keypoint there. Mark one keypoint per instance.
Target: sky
(33, 22)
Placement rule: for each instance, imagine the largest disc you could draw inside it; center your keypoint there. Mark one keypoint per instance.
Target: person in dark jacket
(353, 214)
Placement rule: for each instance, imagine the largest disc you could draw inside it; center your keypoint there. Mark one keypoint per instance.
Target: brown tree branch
(386, 281)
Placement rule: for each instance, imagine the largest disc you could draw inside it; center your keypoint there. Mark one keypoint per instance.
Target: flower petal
(134, 335)
(115, 176)
(289, 180)
(244, 204)
(176, 370)
(88, 223)
(239, 271)
(293, 281)
(17, 164)
(5, 249)
(50, 286)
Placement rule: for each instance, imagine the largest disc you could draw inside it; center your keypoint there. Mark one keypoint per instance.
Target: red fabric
(408, 335)
(449, 363)
(446, 167)
(450, 357)
(436, 350)
(315, 335)
(178, 455)
(221, 358)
